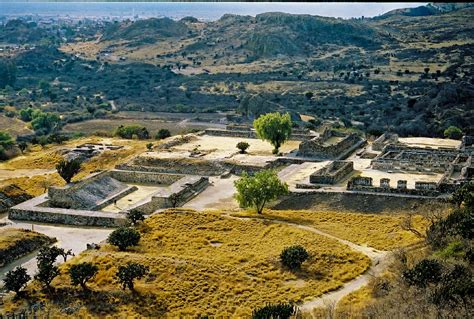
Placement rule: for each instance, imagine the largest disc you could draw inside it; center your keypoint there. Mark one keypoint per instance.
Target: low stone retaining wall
(176, 195)
(126, 176)
(332, 173)
(251, 134)
(32, 211)
(315, 147)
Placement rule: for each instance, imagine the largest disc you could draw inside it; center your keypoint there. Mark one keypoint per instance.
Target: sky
(206, 10)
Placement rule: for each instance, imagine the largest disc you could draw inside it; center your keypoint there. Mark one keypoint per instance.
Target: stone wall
(175, 195)
(364, 184)
(317, 149)
(34, 210)
(384, 139)
(144, 177)
(249, 133)
(332, 173)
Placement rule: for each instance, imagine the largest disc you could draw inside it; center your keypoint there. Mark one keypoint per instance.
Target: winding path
(380, 261)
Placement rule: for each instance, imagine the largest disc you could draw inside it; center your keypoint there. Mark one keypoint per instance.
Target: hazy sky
(209, 10)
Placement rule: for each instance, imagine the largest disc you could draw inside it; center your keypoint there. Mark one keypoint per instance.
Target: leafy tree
(7, 73)
(22, 146)
(129, 131)
(162, 133)
(453, 132)
(81, 273)
(46, 273)
(124, 237)
(127, 274)
(256, 191)
(425, 272)
(6, 140)
(274, 127)
(293, 256)
(67, 169)
(274, 311)
(149, 146)
(45, 122)
(309, 95)
(26, 115)
(16, 279)
(464, 194)
(48, 255)
(243, 146)
(134, 216)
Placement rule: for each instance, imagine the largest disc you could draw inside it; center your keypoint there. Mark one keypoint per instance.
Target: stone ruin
(247, 131)
(81, 203)
(321, 147)
(332, 173)
(362, 183)
(88, 150)
(383, 140)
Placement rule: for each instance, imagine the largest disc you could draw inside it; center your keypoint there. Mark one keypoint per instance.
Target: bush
(243, 146)
(124, 237)
(16, 279)
(134, 216)
(67, 169)
(162, 133)
(292, 257)
(81, 273)
(149, 146)
(46, 273)
(425, 272)
(127, 274)
(280, 311)
(275, 128)
(129, 131)
(6, 140)
(453, 132)
(256, 191)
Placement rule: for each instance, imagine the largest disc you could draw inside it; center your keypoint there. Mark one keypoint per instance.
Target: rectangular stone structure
(332, 173)
(402, 184)
(385, 182)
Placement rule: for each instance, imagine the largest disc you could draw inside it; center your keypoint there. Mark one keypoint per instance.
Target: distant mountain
(145, 31)
(433, 8)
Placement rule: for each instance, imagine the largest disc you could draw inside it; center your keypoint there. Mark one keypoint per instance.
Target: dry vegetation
(204, 263)
(48, 158)
(15, 243)
(380, 231)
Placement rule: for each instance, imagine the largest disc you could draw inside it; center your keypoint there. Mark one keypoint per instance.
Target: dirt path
(380, 261)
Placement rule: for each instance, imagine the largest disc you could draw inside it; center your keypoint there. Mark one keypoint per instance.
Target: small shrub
(425, 272)
(243, 146)
(124, 237)
(149, 146)
(134, 216)
(127, 274)
(274, 311)
(453, 132)
(81, 273)
(16, 279)
(162, 133)
(67, 169)
(292, 257)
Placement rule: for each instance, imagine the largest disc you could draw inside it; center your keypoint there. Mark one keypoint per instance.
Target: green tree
(243, 146)
(67, 169)
(7, 73)
(16, 279)
(275, 128)
(274, 311)
(6, 140)
(149, 146)
(453, 132)
(124, 237)
(22, 146)
(46, 273)
(255, 191)
(81, 273)
(292, 257)
(45, 123)
(127, 274)
(162, 133)
(425, 272)
(129, 131)
(464, 195)
(134, 216)
(26, 115)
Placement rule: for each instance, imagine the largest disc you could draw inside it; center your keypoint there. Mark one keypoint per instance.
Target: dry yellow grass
(204, 263)
(48, 158)
(380, 231)
(15, 243)
(13, 126)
